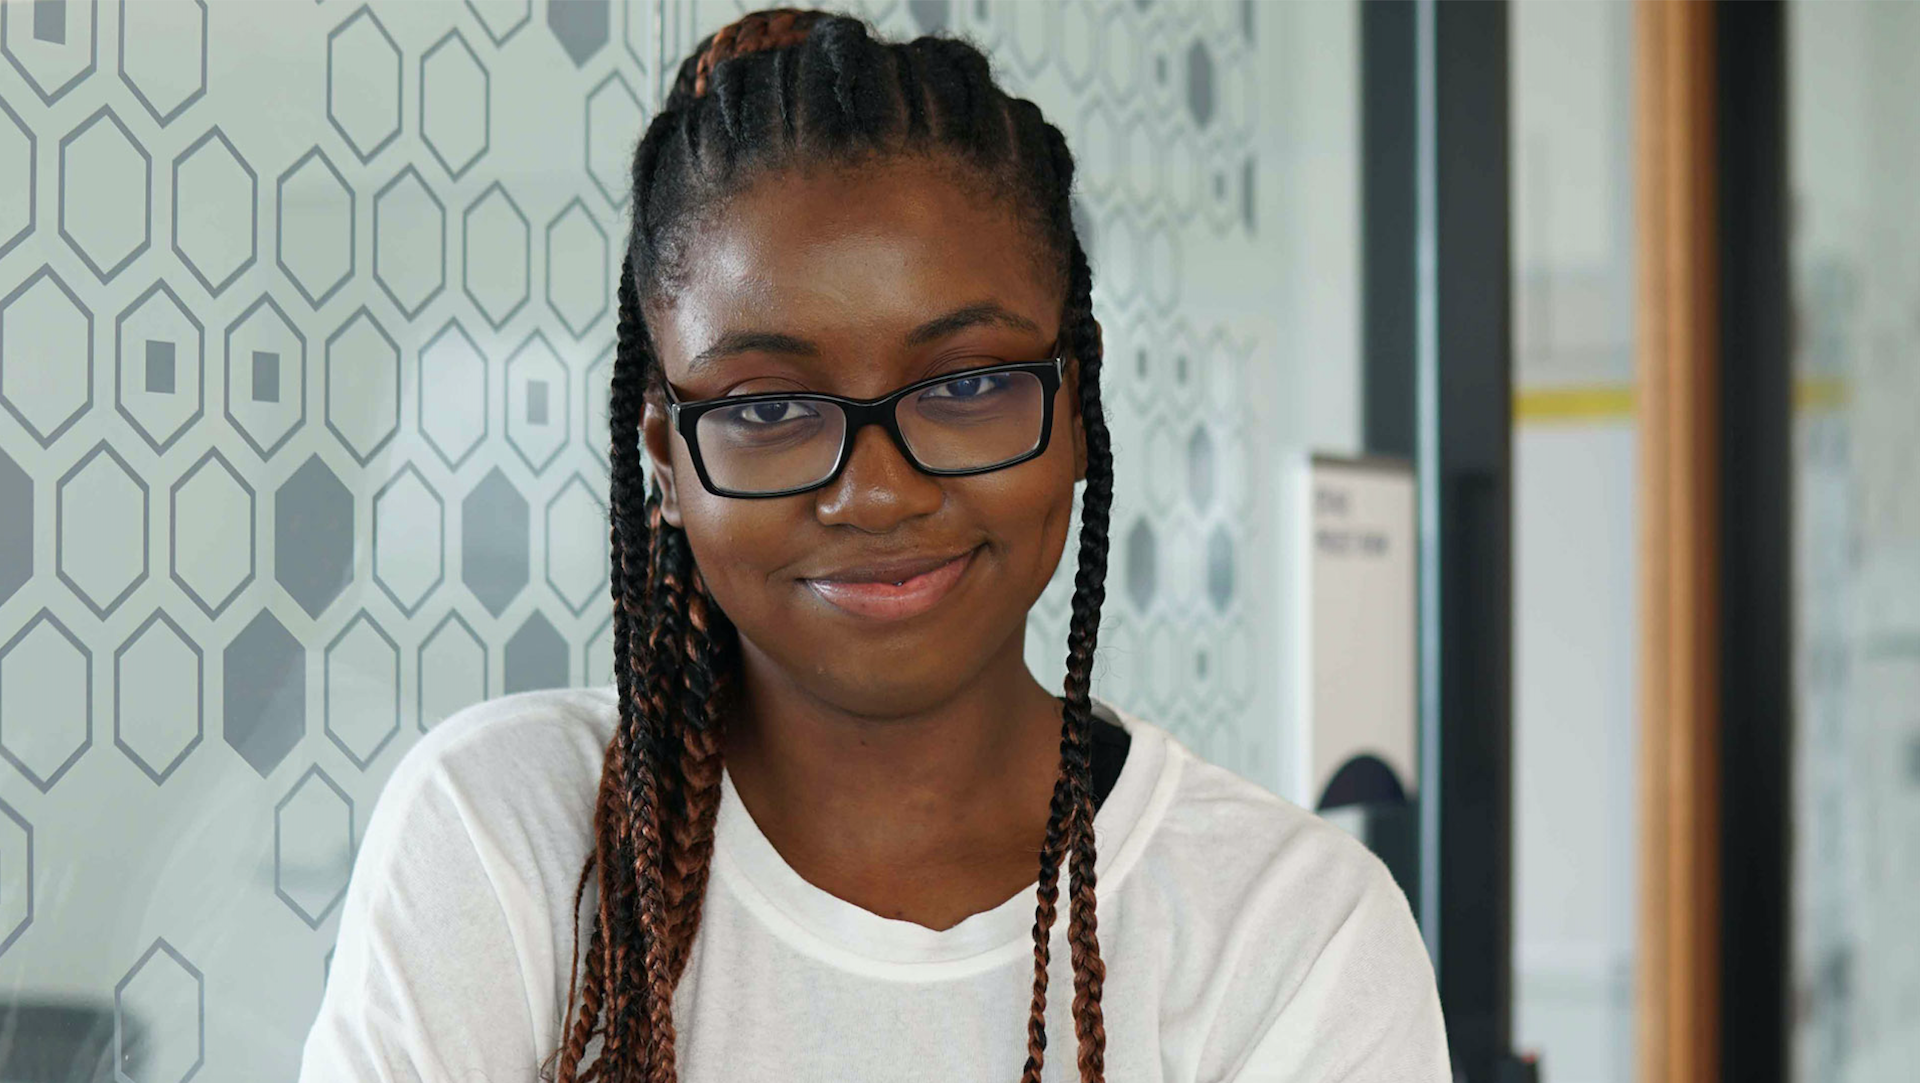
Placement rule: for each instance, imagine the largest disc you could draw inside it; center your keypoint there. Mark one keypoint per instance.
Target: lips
(892, 590)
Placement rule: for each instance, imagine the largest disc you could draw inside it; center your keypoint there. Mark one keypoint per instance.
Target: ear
(656, 438)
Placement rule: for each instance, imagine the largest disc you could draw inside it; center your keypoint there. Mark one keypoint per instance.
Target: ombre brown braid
(776, 90)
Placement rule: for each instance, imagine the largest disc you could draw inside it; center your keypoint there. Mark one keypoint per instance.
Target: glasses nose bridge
(882, 413)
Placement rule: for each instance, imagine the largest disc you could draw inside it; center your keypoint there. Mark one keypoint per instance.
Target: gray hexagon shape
(409, 242)
(20, 183)
(57, 74)
(577, 556)
(452, 81)
(538, 393)
(313, 536)
(214, 500)
(39, 338)
(323, 241)
(361, 106)
(495, 535)
(15, 856)
(1032, 32)
(409, 540)
(16, 527)
(501, 19)
(580, 26)
(536, 656)
(614, 121)
(46, 675)
(596, 658)
(164, 391)
(265, 688)
(99, 553)
(1143, 565)
(154, 68)
(363, 386)
(1078, 46)
(577, 278)
(316, 816)
(218, 180)
(453, 395)
(1200, 469)
(930, 16)
(103, 156)
(1220, 576)
(265, 376)
(362, 674)
(452, 668)
(137, 1056)
(1200, 97)
(494, 230)
(167, 672)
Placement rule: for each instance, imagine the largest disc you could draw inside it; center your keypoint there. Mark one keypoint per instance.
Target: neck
(895, 812)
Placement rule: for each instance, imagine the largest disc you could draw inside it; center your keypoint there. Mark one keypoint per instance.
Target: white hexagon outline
(486, 105)
(420, 663)
(466, 225)
(326, 371)
(1037, 62)
(146, 201)
(486, 392)
(200, 697)
(119, 991)
(606, 248)
(33, 177)
(46, 271)
(326, 690)
(86, 742)
(562, 399)
(60, 529)
(173, 539)
(26, 920)
(617, 199)
(280, 221)
(120, 65)
(253, 206)
(313, 921)
(93, 60)
(440, 552)
(438, 287)
(626, 36)
(526, 16)
(399, 84)
(226, 379)
(546, 528)
(119, 366)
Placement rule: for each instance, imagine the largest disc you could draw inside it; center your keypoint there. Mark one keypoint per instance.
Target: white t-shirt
(1244, 938)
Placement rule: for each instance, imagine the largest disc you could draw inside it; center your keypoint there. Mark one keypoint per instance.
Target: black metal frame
(684, 417)
(1438, 388)
(1756, 534)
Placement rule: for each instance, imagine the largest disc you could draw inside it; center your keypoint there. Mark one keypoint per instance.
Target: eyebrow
(980, 313)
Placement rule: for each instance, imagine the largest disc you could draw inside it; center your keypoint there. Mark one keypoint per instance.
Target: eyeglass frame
(684, 416)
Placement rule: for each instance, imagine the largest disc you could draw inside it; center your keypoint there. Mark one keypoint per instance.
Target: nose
(878, 489)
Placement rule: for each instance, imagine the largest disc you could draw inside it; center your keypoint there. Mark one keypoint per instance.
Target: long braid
(775, 89)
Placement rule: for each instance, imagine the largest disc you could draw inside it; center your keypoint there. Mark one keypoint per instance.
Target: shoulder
(1274, 921)
(516, 774)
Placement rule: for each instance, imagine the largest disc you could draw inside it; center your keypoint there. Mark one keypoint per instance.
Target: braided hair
(774, 90)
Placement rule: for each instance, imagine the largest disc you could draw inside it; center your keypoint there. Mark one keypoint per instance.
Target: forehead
(852, 257)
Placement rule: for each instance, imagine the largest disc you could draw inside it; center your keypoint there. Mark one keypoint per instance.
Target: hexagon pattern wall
(305, 329)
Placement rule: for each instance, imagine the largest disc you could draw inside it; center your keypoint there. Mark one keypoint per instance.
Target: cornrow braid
(776, 90)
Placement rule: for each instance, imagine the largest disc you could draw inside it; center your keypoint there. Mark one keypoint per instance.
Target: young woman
(801, 833)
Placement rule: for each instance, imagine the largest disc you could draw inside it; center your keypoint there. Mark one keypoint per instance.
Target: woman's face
(857, 282)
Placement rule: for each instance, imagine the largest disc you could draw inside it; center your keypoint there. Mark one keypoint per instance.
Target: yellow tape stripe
(1614, 402)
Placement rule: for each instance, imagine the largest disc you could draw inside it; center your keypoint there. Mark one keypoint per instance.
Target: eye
(969, 387)
(762, 414)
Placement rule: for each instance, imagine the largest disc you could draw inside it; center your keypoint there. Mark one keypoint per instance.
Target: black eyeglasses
(957, 423)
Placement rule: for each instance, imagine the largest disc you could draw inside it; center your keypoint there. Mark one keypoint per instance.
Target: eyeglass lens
(973, 423)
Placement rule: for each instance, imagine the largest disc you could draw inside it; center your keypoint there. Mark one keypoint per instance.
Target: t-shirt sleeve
(1368, 1010)
(427, 982)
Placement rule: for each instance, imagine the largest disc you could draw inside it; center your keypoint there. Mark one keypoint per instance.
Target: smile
(881, 595)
